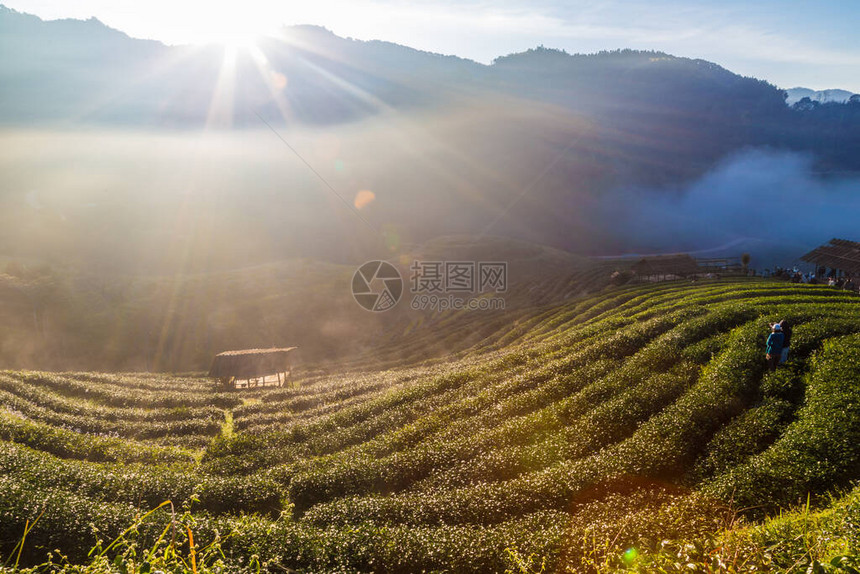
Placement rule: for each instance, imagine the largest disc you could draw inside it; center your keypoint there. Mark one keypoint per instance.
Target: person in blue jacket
(774, 346)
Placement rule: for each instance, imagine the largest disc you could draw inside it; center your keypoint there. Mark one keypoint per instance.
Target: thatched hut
(841, 255)
(666, 267)
(250, 367)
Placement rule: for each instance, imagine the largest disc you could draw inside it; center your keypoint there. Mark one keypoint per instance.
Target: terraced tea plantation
(637, 429)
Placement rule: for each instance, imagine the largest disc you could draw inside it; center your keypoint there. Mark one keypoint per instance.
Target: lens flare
(364, 198)
(279, 81)
(392, 239)
(630, 555)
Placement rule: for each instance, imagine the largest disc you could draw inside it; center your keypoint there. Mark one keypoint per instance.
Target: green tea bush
(66, 443)
(747, 434)
(820, 450)
(566, 436)
(144, 485)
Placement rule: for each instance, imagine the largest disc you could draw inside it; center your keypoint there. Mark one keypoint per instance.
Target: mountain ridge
(387, 62)
(570, 151)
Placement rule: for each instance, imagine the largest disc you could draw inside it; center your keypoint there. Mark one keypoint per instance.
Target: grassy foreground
(634, 430)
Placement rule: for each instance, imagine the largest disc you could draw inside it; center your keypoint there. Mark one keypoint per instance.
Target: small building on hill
(722, 265)
(662, 267)
(840, 255)
(251, 367)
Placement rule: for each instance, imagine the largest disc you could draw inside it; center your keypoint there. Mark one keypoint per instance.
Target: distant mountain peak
(822, 96)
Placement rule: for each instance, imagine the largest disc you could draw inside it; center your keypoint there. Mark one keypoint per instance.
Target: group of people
(777, 344)
(818, 277)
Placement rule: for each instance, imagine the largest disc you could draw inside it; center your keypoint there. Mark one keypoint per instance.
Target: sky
(786, 42)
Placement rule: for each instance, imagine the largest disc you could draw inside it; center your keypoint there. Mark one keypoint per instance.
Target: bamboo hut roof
(680, 264)
(250, 363)
(838, 254)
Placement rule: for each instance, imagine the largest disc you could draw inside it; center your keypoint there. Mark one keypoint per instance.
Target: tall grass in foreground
(676, 538)
(649, 532)
(173, 550)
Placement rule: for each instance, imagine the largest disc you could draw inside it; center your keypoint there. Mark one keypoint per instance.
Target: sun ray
(156, 71)
(221, 106)
(362, 95)
(276, 82)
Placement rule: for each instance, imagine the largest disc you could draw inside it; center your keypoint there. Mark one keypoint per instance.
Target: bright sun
(240, 49)
(240, 42)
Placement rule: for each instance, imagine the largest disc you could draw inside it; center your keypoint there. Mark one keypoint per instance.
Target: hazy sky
(787, 42)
